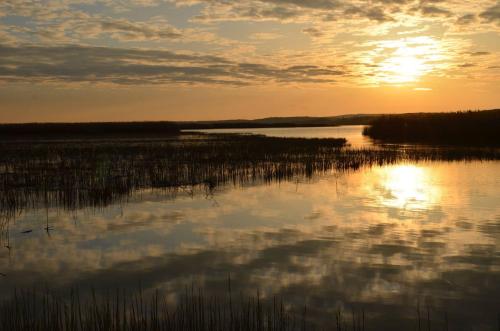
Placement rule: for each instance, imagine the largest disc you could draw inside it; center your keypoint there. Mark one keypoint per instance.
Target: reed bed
(35, 310)
(122, 310)
(78, 174)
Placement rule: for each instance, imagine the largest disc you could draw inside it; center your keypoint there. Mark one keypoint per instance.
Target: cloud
(379, 11)
(288, 10)
(375, 13)
(265, 36)
(434, 11)
(314, 32)
(479, 53)
(87, 64)
(61, 21)
(127, 30)
(240, 11)
(75, 29)
(492, 14)
(466, 19)
(339, 32)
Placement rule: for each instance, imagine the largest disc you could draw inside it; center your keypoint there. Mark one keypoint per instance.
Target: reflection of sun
(408, 187)
(406, 60)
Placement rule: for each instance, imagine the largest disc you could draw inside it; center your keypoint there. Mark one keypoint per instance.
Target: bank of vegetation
(62, 131)
(469, 128)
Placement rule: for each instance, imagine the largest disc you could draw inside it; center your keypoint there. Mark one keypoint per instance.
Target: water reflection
(382, 238)
(408, 187)
(353, 133)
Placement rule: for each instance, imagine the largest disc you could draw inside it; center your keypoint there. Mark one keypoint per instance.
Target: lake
(385, 239)
(353, 133)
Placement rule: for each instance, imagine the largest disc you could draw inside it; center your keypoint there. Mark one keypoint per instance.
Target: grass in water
(78, 174)
(193, 311)
(33, 310)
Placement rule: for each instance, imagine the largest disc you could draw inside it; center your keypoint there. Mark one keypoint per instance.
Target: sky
(129, 60)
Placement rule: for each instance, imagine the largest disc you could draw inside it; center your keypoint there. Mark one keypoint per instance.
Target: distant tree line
(281, 122)
(468, 128)
(63, 130)
(161, 128)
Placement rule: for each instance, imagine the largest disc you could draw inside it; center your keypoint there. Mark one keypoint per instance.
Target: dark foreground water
(384, 239)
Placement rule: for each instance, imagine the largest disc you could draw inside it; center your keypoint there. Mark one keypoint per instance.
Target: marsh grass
(39, 310)
(43, 310)
(79, 174)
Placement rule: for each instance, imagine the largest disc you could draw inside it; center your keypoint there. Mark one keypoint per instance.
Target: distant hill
(272, 122)
(466, 128)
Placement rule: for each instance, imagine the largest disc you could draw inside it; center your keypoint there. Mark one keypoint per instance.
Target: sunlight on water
(408, 187)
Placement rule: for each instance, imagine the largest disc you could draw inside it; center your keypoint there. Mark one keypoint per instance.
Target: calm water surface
(382, 239)
(353, 133)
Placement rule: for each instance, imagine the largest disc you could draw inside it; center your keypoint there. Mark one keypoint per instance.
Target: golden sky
(91, 60)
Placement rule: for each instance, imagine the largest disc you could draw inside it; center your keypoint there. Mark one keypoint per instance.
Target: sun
(403, 69)
(407, 60)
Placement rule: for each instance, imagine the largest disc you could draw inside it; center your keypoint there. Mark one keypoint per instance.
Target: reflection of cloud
(491, 229)
(351, 253)
(142, 219)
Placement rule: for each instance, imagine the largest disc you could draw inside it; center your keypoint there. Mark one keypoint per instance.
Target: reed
(122, 310)
(77, 174)
(43, 310)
